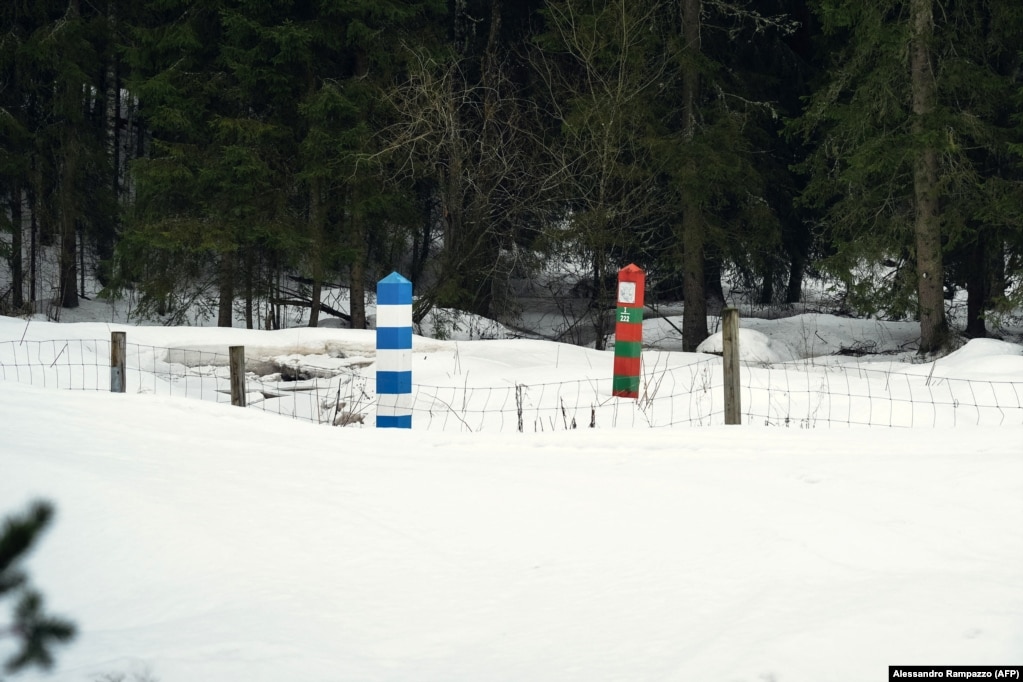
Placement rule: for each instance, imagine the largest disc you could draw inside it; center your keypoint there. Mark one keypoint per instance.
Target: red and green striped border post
(628, 331)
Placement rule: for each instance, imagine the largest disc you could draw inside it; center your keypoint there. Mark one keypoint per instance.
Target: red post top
(631, 283)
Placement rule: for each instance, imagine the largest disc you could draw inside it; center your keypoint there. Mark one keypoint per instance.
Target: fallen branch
(307, 303)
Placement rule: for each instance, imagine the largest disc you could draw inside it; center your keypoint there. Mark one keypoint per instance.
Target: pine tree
(35, 632)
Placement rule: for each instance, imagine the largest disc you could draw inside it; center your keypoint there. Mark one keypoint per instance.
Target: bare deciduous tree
(601, 66)
(464, 132)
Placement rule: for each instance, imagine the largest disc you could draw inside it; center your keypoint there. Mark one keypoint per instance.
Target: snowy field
(198, 541)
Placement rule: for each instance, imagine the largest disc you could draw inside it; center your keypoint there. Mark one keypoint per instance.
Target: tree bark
(694, 318)
(927, 224)
(600, 303)
(794, 291)
(33, 250)
(995, 268)
(68, 162)
(423, 234)
(316, 219)
(249, 294)
(357, 276)
(113, 107)
(713, 292)
(106, 235)
(225, 311)
(767, 286)
(17, 266)
(81, 259)
(68, 279)
(977, 289)
(315, 296)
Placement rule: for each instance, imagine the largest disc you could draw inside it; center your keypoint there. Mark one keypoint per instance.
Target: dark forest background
(252, 152)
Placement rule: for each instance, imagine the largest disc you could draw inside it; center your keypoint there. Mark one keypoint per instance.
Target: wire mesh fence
(794, 395)
(806, 395)
(78, 364)
(681, 396)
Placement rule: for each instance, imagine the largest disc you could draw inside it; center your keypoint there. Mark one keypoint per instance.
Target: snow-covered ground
(197, 541)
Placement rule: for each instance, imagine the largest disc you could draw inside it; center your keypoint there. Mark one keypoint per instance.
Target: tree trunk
(453, 273)
(249, 294)
(225, 311)
(357, 276)
(599, 303)
(794, 291)
(358, 295)
(69, 150)
(767, 286)
(713, 292)
(977, 289)
(81, 259)
(113, 107)
(33, 250)
(68, 278)
(17, 267)
(273, 312)
(316, 218)
(927, 226)
(995, 268)
(423, 235)
(105, 235)
(694, 318)
(315, 298)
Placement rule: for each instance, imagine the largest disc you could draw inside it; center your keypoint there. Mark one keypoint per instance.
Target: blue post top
(394, 290)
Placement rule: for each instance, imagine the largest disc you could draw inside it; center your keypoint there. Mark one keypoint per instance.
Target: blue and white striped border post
(394, 352)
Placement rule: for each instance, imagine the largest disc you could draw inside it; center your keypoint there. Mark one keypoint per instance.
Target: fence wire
(794, 395)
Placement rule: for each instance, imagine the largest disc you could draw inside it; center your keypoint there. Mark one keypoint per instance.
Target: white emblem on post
(626, 292)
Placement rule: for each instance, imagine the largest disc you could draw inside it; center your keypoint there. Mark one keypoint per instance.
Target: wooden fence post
(237, 361)
(730, 343)
(118, 353)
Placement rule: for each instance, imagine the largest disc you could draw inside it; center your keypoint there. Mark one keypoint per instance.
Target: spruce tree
(984, 192)
(36, 633)
(911, 134)
(15, 148)
(53, 151)
(728, 170)
(344, 56)
(262, 118)
(213, 181)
